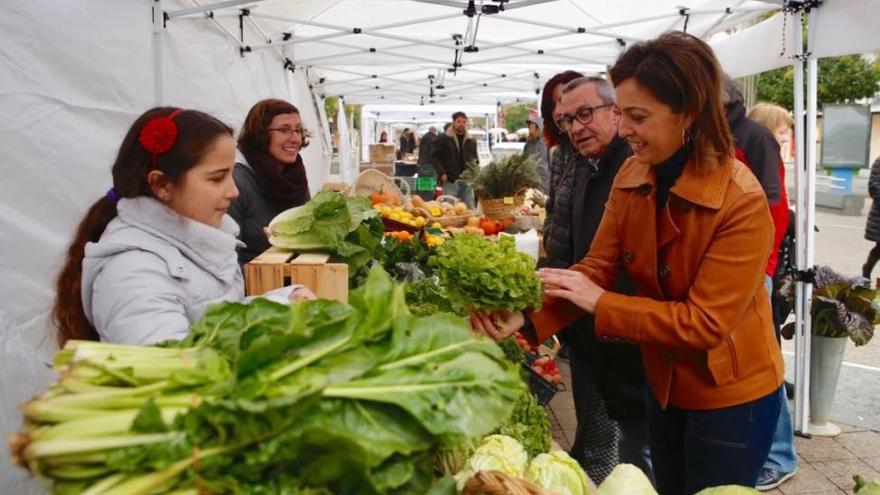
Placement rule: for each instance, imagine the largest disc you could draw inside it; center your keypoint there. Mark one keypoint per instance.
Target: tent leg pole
(158, 32)
(805, 120)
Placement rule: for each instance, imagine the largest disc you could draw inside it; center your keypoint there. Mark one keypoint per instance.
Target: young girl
(158, 248)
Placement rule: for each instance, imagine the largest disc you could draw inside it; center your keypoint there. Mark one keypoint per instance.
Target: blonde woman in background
(775, 118)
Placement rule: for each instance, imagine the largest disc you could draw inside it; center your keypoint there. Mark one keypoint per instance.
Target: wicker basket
(370, 181)
(498, 483)
(499, 208)
(456, 221)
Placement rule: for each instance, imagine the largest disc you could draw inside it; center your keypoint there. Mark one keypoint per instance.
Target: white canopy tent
(75, 75)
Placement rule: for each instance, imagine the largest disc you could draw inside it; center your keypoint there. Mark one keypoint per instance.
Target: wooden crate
(382, 153)
(280, 267)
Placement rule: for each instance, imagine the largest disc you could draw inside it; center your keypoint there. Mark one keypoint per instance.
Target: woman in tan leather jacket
(691, 226)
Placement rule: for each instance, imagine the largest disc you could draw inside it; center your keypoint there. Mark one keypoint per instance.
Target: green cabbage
(728, 490)
(559, 473)
(863, 487)
(626, 479)
(496, 453)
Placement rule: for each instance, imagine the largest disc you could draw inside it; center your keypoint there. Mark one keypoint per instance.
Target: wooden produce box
(383, 153)
(279, 267)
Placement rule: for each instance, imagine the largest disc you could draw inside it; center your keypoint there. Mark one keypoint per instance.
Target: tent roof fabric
(431, 51)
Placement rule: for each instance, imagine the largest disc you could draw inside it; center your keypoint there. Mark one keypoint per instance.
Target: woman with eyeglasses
(272, 177)
(691, 226)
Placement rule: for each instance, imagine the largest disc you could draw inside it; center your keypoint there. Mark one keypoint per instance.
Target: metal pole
(804, 184)
(158, 31)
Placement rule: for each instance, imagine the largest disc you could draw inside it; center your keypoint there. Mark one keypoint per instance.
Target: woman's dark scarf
(285, 188)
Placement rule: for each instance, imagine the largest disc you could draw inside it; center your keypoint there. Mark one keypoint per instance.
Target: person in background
(272, 177)
(872, 227)
(425, 145)
(778, 120)
(407, 143)
(758, 145)
(383, 138)
(535, 147)
(561, 154)
(587, 112)
(451, 153)
(689, 223)
(154, 252)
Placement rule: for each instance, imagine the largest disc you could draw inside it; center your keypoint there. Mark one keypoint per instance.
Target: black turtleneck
(667, 173)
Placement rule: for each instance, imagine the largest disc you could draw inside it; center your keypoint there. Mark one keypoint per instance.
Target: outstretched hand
(497, 325)
(573, 286)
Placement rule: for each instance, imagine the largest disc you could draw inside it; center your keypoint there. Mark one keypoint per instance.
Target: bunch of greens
(529, 424)
(842, 306)
(345, 226)
(504, 177)
(426, 297)
(397, 256)
(481, 274)
(312, 398)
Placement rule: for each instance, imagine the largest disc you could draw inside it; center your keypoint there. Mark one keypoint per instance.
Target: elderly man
(607, 378)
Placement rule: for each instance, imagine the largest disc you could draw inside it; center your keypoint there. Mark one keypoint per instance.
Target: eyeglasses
(289, 131)
(584, 115)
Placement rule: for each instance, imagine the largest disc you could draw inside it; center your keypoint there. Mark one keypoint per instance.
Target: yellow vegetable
(394, 216)
(436, 225)
(435, 211)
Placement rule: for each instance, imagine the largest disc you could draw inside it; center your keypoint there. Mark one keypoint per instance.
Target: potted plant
(500, 186)
(843, 307)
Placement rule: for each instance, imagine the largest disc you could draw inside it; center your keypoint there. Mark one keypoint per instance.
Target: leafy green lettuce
(478, 273)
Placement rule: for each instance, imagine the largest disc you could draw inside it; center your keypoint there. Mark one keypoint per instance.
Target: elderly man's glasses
(289, 131)
(584, 115)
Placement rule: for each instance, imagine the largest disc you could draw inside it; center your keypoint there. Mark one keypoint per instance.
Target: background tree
(515, 115)
(841, 80)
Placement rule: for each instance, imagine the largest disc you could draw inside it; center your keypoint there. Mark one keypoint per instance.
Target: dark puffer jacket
(580, 198)
(872, 228)
(557, 229)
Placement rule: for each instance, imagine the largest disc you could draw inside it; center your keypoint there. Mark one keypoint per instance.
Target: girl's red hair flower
(159, 135)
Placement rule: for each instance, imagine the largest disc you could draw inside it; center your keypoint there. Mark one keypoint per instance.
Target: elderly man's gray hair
(731, 94)
(603, 87)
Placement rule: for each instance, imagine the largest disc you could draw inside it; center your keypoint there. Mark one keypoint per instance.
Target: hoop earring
(687, 141)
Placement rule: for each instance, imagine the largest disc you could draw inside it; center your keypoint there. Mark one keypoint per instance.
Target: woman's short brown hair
(681, 71)
(254, 137)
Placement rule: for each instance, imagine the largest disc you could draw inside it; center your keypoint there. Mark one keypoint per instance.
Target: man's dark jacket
(619, 374)
(760, 148)
(451, 159)
(425, 147)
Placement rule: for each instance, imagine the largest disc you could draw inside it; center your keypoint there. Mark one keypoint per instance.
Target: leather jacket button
(665, 271)
(645, 190)
(628, 256)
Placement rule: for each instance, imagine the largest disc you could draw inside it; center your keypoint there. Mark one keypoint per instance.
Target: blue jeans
(695, 449)
(462, 191)
(782, 456)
